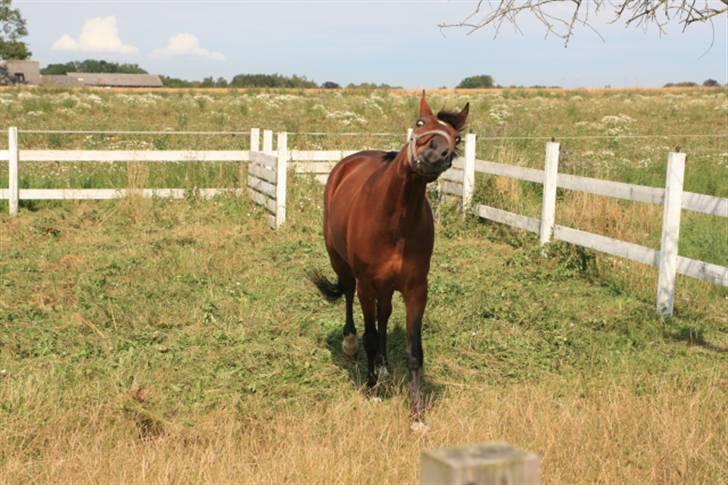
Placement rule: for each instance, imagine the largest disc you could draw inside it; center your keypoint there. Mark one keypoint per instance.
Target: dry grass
(586, 431)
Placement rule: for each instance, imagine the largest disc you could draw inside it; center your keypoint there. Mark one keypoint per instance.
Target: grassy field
(159, 341)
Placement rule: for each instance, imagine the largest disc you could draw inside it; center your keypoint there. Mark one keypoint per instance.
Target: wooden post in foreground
(281, 178)
(484, 464)
(468, 172)
(13, 153)
(548, 209)
(670, 233)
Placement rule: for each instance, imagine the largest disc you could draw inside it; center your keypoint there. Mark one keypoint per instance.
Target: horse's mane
(449, 117)
(389, 156)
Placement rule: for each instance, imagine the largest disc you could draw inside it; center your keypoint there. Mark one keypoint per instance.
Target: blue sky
(395, 42)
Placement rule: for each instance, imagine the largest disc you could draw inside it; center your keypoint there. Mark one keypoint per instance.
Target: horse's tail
(330, 290)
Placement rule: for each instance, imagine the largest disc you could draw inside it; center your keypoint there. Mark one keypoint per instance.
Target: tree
(710, 83)
(12, 29)
(474, 82)
(92, 65)
(561, 17)
(271, 81)
(366, 85)
(173, 82)
(330, 85)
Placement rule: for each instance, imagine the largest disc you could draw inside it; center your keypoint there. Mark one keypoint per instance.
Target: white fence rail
(267, 185)
(672, 197)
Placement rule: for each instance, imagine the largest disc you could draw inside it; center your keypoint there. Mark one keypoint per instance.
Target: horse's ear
(425, 109)
(462, 117)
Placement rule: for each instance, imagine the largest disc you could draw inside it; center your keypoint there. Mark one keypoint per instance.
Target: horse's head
(435, 139)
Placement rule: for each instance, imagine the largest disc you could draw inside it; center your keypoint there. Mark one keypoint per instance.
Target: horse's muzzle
(434, 165)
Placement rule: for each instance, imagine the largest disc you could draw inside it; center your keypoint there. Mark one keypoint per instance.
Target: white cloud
(186, 45)
(99, 34)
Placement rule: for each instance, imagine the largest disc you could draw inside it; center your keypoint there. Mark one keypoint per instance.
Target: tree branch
(640, 13)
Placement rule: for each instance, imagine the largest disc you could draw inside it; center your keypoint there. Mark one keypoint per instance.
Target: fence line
(267, 186)
(672, 197)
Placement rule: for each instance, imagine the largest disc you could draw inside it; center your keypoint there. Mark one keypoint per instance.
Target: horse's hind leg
(347, 282)
(349, 344)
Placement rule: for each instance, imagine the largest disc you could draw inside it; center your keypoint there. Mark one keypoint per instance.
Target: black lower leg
(371, 338)
(349, 327)
(415, 360)
(384, 310)
(371, 344)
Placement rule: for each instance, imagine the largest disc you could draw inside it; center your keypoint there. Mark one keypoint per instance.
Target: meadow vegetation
(178, 341)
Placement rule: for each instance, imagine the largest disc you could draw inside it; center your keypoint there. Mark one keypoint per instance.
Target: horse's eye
(420, 123)
(457, 139)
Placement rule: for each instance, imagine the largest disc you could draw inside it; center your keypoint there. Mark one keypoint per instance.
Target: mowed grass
(179, 342)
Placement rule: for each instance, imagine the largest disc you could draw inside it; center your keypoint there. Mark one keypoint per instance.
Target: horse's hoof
(419, 427)
(350, 345)
(382, 373)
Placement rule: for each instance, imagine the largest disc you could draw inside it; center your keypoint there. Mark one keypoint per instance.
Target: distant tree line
(92, 65)
(265, 81)
(708, 83)
(481, 81)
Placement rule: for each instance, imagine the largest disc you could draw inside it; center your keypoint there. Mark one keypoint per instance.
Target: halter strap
(412, 145)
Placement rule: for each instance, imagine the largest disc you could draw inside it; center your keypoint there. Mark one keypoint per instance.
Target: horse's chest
(394, 261)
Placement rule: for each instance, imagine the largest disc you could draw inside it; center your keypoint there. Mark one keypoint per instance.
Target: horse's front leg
(384, 310)
(415, 300)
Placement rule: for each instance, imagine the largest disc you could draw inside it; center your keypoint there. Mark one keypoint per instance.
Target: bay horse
(379, 234)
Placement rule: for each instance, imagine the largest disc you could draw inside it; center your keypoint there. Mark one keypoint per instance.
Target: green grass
(196, 306)
(200, 299)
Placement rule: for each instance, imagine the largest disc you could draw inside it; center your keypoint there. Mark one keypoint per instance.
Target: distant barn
(108, 80)
(23, 72)
(116, 80)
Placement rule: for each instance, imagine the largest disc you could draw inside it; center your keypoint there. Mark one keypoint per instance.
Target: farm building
(23, 71)
(28, 72)
(105, 80)
(117, 80)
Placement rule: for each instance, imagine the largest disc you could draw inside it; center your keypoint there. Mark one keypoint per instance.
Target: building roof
(116, 79)
(59, 80)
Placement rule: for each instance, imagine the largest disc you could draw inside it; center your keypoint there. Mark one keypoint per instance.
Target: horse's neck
(404, 192)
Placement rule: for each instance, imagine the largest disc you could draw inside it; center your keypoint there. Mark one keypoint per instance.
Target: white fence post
(548, 209)
(267, 141)
(670, 233)
(468, 172)
(255, 139)
(281, 178)
(13, 155)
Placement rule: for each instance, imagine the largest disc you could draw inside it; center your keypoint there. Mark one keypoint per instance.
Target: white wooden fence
(459, 182)
(267, 170)
(267, 183)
